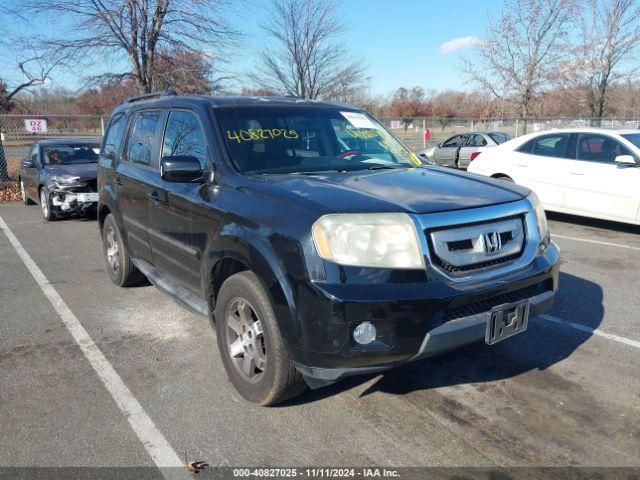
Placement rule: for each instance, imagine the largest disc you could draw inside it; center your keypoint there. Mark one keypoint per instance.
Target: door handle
(576, 173)
(154, 197)
(522, 165)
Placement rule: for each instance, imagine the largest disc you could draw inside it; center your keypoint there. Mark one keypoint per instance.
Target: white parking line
(597, 242)
(154, 442)
(593, 331)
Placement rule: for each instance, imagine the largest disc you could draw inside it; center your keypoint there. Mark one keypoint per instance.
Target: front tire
(117, 259)
(45, 205)
(253, 352)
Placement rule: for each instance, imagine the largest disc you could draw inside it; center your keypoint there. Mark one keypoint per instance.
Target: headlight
(64, 180)
(377, 240)
(543, 227)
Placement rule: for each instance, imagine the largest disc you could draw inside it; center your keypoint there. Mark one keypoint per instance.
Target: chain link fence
(427, 132)
(19, 132)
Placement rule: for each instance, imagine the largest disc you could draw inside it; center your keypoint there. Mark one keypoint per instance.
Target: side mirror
(439, 144)
(625, 159)
(109, 153)
(181, 169)
(28, 163)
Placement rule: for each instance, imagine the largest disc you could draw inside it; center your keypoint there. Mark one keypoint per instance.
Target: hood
(86, 171)
(410, 190)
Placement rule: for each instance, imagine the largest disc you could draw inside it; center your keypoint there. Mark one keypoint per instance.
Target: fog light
(364, 333)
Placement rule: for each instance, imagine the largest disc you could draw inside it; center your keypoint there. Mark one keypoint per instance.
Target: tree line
(537, 58)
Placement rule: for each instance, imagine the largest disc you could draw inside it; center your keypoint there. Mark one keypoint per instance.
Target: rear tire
(117, 259)
(23, 192)
(253, 352)
(504, 178)
(45, 205)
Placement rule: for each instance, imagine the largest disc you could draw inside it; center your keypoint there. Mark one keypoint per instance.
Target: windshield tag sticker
(358, 120)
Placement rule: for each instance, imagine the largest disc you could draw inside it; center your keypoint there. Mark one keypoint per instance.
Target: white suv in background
(591, 172)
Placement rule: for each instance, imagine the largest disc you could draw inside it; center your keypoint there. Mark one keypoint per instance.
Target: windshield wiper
(384, 167)
(316, 172)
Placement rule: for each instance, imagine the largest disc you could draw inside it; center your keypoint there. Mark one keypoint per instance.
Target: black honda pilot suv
(313, 239)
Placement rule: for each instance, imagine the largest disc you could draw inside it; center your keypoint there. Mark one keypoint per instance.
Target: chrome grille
(460, 250)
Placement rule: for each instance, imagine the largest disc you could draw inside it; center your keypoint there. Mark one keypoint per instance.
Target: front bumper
(428, 319)
(65, 202)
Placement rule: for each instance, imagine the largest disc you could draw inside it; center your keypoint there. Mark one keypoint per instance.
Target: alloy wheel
(44, 203)
(112, 250)
(245, 339)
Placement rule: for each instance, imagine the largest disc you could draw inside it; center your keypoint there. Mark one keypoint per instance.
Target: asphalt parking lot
(562, 394)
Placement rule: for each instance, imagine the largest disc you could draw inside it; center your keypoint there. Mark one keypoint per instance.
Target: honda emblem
(492, 243)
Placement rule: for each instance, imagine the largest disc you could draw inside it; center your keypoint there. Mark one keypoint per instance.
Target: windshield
(265, 140)
(500, 137)
(633, 138)
(71, 154)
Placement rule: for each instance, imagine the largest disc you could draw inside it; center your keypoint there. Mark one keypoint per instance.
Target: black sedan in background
(61, 175)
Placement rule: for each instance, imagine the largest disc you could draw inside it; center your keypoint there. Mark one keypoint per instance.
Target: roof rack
(149, 96)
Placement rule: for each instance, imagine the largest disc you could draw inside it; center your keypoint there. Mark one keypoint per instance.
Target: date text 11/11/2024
(316, 472)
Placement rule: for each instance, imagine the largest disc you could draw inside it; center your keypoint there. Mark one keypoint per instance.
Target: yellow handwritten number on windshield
(252, 135)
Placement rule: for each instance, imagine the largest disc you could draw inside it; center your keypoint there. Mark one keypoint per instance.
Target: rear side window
(184, 137)
(547, 146)
(114, 136)
(141, 136)
(476, 141)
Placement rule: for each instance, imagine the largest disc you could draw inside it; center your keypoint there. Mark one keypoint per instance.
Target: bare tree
(136, 30)
(609, 34)
(34, 71)
(184, 71)
(305, 57)
(522, 51)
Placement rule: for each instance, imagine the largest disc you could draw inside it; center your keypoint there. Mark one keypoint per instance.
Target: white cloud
(458, 43)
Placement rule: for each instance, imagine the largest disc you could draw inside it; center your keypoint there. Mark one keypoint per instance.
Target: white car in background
(592, 172)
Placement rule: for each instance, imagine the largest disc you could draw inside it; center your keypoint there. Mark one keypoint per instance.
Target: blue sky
(404, 42)
(401, 40)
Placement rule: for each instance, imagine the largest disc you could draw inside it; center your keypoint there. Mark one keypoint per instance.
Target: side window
(453, 141)
(547, 146)
(114, 137)
(594, 147)
(34, 155)
(184, 137)
(475, 141)
(141, 136)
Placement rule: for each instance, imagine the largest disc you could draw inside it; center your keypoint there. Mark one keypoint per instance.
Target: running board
(188, 300)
